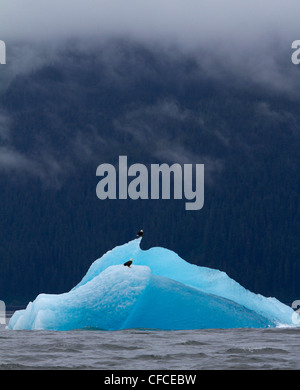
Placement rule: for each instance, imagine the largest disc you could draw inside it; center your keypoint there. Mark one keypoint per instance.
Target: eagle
(140, 233)
(128, 263)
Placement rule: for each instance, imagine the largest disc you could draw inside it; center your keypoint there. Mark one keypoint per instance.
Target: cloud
(151, 123)
(48, 170)
(244, 45)
(188, 21)
(245, 42)
(231, 28)
(163, 128)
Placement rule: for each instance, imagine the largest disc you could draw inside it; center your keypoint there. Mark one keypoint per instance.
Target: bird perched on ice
(128, 263)
(140, 233)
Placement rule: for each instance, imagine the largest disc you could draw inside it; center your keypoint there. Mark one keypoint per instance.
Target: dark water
(151, 350)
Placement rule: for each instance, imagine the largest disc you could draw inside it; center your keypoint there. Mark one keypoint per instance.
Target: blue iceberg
(159, 291)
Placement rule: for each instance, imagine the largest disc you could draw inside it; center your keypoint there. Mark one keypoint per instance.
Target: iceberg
(159, 291)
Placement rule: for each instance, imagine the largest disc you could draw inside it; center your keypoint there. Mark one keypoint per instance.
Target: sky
(253, 37)
(189, 22)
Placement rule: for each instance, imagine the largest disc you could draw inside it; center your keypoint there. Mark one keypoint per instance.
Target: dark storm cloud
(241, 43)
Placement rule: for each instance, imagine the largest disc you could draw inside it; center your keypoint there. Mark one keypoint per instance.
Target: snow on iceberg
(159, 291)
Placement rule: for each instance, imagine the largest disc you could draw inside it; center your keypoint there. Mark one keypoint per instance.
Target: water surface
(253, 349)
